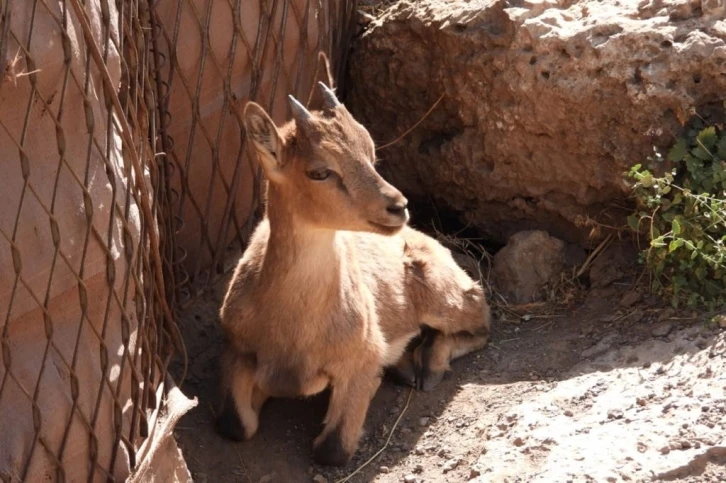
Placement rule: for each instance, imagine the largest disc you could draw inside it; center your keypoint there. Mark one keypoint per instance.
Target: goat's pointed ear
(322, 74)
(265, 138)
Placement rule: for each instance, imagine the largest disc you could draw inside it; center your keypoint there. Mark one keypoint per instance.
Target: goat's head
(322, 165)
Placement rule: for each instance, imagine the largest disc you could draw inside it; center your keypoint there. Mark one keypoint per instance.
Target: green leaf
(673, 245)
(678, 151)
(722, 147)
(694, 254)
(676, 227)
(647, 179)
(679, 281)
(633, 222)
(701, 153)
(708, 137)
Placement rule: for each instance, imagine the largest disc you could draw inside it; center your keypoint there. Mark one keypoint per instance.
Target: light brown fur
(334, 285)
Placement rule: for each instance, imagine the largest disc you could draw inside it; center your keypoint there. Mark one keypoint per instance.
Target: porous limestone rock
(543, 103)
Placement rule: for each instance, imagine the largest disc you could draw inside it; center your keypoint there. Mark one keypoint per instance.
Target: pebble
(518, 441)
(409, 479)
(418, 468)
(615, 414)
(320, 479)
(423, 421)
(473, 473)
(384, 469)
(450, 465)
(568, 413)
(662, 330)
(630, 298)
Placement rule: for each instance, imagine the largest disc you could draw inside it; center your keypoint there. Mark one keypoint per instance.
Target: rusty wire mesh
(85, 330)
(217, 56)
(125, 186)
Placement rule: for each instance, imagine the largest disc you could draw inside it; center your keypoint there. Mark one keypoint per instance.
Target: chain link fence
(218, 55)
(85, 330)
(126, 187)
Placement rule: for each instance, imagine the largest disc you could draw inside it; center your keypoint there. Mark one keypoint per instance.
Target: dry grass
(374, 7)
(567, 290)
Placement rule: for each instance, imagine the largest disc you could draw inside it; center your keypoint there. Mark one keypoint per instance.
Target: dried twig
(591, 258)
(412, 127)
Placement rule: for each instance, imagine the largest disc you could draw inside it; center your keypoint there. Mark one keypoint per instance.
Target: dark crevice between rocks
(432, 218)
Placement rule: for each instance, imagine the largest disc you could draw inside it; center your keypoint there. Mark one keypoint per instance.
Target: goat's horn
(330, 100)
(298, 110)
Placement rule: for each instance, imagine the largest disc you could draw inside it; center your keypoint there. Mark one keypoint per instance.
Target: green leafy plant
(682, 213)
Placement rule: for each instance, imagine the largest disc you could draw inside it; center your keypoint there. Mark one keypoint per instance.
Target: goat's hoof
(228, 423)
(330, 451)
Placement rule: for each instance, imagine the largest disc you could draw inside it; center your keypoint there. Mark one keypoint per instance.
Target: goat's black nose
(398, 208)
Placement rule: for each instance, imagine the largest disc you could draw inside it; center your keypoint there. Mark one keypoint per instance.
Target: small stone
(685, 444)
(630, 298)
(662, 330)
(518, 442)
(423, 421)
(320, 479)
(568, 413)
(409, 479)
(526, 264)
(615, 414)
(641, 401)
(450, 465)
(384, 469)
(474, 472)
(665, 450)
(443, 452)
(418, 468)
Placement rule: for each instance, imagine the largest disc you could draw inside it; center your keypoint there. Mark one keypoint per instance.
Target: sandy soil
(602, 390)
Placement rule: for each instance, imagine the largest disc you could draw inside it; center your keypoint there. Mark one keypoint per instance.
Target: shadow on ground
(522, 357)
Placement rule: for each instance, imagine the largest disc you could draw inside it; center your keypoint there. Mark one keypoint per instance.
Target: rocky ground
(608, 387)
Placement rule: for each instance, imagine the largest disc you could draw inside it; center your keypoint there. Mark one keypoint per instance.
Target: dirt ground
(612, 387)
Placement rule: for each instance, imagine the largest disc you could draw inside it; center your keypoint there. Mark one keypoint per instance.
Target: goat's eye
(319, 174)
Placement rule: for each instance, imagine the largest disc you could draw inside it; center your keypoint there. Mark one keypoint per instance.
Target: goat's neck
(297, 249)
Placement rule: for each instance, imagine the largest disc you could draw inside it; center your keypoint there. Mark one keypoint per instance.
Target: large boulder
(530, 261)
(545, 103)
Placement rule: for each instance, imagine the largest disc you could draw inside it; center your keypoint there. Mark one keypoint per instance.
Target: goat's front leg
(346, 415)
(242, 399)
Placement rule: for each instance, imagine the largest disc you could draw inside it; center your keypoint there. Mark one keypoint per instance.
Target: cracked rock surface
(544, 103)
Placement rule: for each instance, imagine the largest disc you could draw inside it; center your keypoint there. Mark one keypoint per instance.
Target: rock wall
(545, 103)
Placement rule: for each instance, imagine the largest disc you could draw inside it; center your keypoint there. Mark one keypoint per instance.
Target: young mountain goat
(334, 285)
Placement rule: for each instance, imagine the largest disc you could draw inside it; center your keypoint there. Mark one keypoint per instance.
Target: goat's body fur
(343, 307)
(321, 299)
(355, 289)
